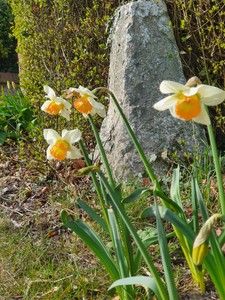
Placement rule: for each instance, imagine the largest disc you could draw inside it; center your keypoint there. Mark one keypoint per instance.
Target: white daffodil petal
(65, 114)
(82, 91)
(191, 91)
(208, 91)
(49, 91)
(167, 87)
(74, 153)
(203, 118)
(67, 104)
(211, 95)
(59, 100)
(51, 136)
(72, 136)
(96, 104)
(101, 112)
(45, 105)
(165, 103)
(49, 156)
(213, 101)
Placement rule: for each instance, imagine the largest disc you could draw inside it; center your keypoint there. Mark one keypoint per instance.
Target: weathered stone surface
(143, 53)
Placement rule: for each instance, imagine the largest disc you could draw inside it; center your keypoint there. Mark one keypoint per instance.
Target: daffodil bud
(8, 85)
(200, 247)
(87, 170)
(193, 81)
(199, 253)
(13, 85)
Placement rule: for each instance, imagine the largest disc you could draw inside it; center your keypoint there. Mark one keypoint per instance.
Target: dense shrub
(199, 28)
(8, 56)
(64, 43)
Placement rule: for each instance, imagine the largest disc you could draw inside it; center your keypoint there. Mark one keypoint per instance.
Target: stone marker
(143, 53)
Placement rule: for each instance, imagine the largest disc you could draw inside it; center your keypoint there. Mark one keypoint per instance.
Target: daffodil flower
(60, 147)
(86, 103)
(200, 247)
(188, 103)
(56, 105)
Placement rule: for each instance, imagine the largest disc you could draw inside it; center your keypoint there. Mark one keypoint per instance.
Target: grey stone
(143, 53)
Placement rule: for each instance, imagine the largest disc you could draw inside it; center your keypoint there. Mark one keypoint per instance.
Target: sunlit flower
(56, 105)
(188, 103)
(86, 103)
(60, 147)
(200, 247)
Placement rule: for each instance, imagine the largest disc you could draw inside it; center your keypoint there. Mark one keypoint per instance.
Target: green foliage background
(8, 57)
(199, 28)
(63, 43)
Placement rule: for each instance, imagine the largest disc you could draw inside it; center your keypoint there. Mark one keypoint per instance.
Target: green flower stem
(102, 151)
(96, 183)
(137, 145)
(139, 243)
(217, 168)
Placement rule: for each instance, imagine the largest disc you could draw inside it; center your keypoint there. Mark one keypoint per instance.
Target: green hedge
(63, 43)
(8, 56)
(199, 28)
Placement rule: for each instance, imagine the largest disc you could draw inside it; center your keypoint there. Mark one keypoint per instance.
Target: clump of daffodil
(200, 247)
(187, 102)
(85, 102)
(56, 105)
(61, 147)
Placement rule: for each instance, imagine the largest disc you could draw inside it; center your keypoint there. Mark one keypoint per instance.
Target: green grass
(33, 266)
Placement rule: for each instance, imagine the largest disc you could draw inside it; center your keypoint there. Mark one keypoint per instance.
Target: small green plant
(17, 116)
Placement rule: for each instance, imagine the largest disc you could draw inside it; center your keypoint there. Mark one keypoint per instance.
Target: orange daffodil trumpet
(56, 105)
(61, 147)
(86, 103)
(188, 103)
